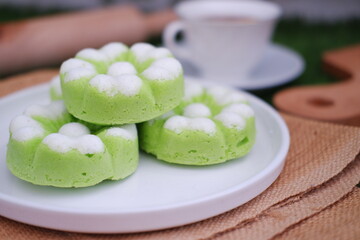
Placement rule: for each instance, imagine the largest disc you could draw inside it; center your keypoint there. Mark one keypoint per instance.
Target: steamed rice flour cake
(116, 84)
(48, 146)
(211, 125)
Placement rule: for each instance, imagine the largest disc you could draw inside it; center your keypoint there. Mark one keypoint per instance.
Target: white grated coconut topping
(74, 129)
(121, 68)
(241, 109)
(74, 69)
(141, 51)
(178, 124)
(74, 63)
(79, 73)
(74, 136)
(24, 128)
(197, 110)
(192, 89)
(113, 50)
(231, 120)
(224, 96)
(54, 110)
(145, 51)
(92, 54)
(27, 133)
(128, 85)
(171, 64)
(163, 69)
(128, 132)
(158, 53)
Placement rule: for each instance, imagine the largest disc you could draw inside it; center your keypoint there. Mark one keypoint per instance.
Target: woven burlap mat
(315, 196)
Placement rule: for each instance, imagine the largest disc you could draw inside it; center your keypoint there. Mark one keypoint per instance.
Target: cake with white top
(116, 84)
(48, 146)
(210, 126)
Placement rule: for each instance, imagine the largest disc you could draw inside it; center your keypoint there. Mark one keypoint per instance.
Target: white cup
(225, 39)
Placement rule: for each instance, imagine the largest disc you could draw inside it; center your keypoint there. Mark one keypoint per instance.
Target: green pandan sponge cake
(48, 146)
(211, 125)
(116, 84)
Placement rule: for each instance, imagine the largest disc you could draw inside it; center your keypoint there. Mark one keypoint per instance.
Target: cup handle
(180, 50)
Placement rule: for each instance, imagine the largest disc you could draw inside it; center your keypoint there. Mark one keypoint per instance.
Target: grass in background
(308, 39)
(311, 40)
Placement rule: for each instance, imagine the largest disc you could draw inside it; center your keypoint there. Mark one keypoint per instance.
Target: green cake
(48, 146)
(116, 84)
(211, 125)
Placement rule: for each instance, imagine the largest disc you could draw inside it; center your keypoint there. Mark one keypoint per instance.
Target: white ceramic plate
(279, 65)
(157, 196)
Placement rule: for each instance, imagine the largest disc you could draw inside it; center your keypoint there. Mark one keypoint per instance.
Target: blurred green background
(308, 39)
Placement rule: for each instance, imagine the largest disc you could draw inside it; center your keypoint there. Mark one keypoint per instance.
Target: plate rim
(273, 169)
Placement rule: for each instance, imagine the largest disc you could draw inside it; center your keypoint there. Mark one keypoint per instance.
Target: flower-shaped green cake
(211, 125)
(116, 84)
(48, 146)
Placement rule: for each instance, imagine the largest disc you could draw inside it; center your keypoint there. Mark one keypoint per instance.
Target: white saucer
(280, 65)
(157, 196)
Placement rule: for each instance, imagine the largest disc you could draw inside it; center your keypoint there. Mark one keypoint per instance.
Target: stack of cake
(87, 134)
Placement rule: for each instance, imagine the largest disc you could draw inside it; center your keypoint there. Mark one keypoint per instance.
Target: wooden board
(338, 102)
